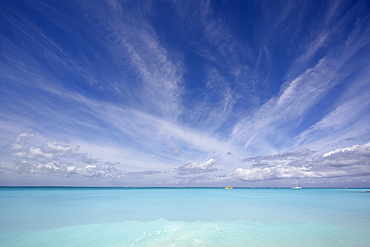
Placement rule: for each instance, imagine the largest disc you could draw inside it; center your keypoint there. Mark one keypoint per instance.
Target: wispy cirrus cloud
(284, 115)
(227, 81)
(133, 42)
(165, 88)
(347, 119)
(126, 125)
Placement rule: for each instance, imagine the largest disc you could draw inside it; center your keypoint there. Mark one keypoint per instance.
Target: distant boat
(296, 187)
(229, 187)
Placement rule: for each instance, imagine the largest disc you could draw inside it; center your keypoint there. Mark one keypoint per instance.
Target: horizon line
(171, 187)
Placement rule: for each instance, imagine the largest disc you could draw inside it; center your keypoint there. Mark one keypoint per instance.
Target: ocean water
(110, 217)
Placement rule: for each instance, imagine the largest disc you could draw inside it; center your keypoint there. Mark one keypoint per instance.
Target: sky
(185, 93)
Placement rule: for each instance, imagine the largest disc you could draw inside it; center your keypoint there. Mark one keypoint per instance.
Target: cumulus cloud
(107, 170)
(352, 149)
(58, 159)
(283, 171)
(266, 173)
(57, 147)
(342, 162)
(65, 168)
(85, 158)
(196, 168)
(51, 150)
(21, 142)
(354, 158)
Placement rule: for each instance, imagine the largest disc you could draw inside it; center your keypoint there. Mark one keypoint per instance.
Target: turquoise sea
(110, 217)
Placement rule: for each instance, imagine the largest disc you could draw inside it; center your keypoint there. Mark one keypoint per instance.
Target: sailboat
(296, 187)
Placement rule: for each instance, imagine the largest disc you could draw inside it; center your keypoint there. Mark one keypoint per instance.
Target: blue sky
(185, 93)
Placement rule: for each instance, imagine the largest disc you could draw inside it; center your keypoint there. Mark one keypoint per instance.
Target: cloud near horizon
(343, 162)
(58, 159)
(197, 168)
(185, 92)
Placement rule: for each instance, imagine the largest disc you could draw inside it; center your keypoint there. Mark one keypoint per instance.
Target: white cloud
(63, 168)
(106, 170)
(133, 42)
(356, 154)
(287, 156)
(58, 159)
(318, 43)
(348, 118)
(51, 167)
(57, 147)
(342, 162)
(21, 142)
(280, 115)
(38, 153)
(341, 150)
(197, 168)
(52, 150)
(274, 172)
(277, 120)
(290, 172)
(135, 106)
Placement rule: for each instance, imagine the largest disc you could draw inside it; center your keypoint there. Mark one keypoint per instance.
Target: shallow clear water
(183, 217)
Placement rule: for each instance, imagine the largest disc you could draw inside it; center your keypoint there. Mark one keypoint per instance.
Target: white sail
(296, 185)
